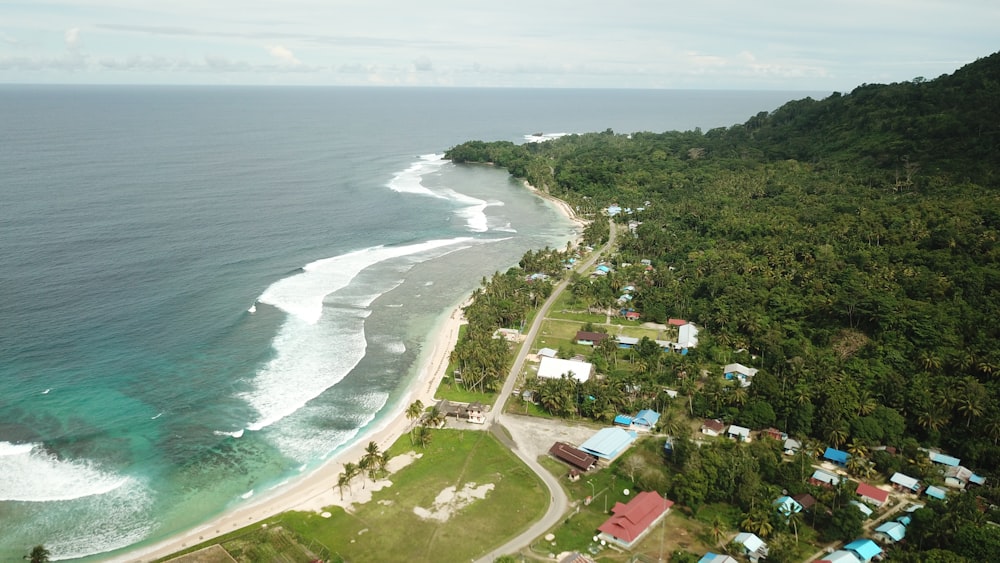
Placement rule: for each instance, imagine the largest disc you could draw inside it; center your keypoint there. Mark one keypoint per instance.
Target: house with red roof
(873, 495)
(630, 522)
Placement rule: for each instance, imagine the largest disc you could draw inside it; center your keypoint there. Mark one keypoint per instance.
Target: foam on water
(31, 474)
(409, 181)
(313, 351)
(542, 137)
(301, 295)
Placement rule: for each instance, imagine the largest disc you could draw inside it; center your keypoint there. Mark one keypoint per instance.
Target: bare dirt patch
(451, 500)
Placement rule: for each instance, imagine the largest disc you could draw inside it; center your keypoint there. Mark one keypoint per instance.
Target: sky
(834, 45)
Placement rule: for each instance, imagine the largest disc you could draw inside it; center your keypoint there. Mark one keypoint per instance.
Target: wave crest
(32, 474)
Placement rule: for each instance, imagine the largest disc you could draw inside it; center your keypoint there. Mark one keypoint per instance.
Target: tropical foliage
(848, 247)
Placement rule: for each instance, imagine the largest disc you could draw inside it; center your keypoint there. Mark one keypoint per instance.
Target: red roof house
(872, 494)
(676, 322)
(631, 521)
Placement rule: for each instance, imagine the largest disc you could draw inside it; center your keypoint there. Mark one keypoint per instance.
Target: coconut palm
(435, 418)
(370, 461)
(38, 554)
(423, 436)
(351, 470)
(383, 462)
(343, 480)
(718, 529)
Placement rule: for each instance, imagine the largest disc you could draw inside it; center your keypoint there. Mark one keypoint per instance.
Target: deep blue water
(138, 395)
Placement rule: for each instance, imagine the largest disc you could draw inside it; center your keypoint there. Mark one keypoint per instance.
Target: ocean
(206, 291)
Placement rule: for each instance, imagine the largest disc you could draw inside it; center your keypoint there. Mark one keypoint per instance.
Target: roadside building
(630, 522)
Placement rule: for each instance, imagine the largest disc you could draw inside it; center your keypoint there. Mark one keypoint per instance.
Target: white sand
(318, 489)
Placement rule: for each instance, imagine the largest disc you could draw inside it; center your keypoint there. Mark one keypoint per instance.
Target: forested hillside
(850, 244)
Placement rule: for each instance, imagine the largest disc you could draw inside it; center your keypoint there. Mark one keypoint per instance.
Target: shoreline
(317, 489)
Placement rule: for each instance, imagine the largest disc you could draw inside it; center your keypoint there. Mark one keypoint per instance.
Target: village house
(806, 500)
(904, 483)
(754, 548)
(890, 532)
(864, 508)
(716, 558)
(864, 548)
(836, 456)
(574, 457)
(609, 443)
(823, 479)
(960, 477)
(644, 420)
(555, 368)
(687, 336)
(739, 372)
(630, 522)
(471, 412)
(872, 495)
(738, 433)
(713, 427)
(590, 338)
(936, 492)
(786, 505)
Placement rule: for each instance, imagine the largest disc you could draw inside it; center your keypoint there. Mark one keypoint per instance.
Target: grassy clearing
(387, 529)
(455, 392)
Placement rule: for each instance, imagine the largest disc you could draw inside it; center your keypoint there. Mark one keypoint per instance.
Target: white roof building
(554, 368)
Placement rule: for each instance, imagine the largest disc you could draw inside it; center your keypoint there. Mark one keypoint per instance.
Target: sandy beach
(317, 490)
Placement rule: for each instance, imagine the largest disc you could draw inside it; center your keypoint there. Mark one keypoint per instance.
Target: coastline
(317, 489)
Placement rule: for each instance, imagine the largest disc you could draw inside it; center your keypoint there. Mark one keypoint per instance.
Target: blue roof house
(646, 419)
(840, 556)
(837, 456)
(935, 492)
(609, 443)
(787, 505)
(865, 549)
(891, 532)
(945, 459)
(623, 419)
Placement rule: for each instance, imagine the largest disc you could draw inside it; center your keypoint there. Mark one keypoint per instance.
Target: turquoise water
(139, 395)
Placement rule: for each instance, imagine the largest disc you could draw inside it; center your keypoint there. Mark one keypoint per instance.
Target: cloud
(284, 55)
(73, 37)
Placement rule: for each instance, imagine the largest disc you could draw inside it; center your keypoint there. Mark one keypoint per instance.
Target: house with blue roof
(609, 443)
(890, 532)
(646, 419)
(623, 420)
(865, 549)
(716, 558)
(836, 456)
(840, 556)
(935, 492)
(787, 505)
(948, 460)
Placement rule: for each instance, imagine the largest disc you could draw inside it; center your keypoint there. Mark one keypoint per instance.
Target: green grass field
(387, 529)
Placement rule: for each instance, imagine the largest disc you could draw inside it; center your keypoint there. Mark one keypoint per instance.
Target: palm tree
(38, 554)
(415, 410)
(343, 480)
(370, 461)
(351, 470)
(383, 462)
(837, 435)
(413, 413)
(435, 418)
(718, 529)
(423, 437)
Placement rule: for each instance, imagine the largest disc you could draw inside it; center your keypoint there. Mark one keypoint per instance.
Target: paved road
(558, 503)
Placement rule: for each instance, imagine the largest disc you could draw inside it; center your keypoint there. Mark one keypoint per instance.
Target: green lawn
(457, 393)
(387, 529)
